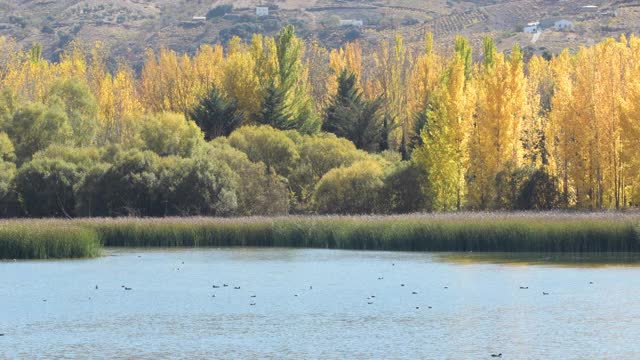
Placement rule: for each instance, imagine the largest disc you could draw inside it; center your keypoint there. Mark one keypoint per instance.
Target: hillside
(128, 27)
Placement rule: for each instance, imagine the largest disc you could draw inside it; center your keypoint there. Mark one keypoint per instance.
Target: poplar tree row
(498, 132)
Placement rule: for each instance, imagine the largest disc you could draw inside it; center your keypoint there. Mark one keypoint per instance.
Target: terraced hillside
(128, 27)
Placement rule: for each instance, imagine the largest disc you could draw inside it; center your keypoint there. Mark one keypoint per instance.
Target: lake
(321, 304)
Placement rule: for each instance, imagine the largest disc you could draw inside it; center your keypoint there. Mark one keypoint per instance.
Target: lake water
(170, 311)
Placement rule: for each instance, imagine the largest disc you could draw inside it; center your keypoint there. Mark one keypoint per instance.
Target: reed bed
(480, 232)
(42, 240)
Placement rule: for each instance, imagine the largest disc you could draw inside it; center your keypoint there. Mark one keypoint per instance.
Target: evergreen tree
(274, 110)
(352, 117)
(292, 83)
(217, 116)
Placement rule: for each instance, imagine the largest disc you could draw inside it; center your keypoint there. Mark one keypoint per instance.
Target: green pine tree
(217, 116)
(274, 110)
(351, 116)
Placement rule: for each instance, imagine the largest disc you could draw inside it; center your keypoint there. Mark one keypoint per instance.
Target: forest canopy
(279, 126)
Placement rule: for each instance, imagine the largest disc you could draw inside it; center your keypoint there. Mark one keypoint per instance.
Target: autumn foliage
(500, 132)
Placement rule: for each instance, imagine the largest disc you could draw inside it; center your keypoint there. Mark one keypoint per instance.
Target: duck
(216, 287)
(127, 288)
(381, 278)
(1, 334)
(446, 287)
(370, 302)
(524, 287)
(237, 287)
(414, 292)
(253, 304)
(545, 293)
(417, 307)
(225, 285)
(253, 296)
(496, 355)
(96, 287)
(401, 284)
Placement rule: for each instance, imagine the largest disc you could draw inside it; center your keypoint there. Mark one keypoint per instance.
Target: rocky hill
(128, 27)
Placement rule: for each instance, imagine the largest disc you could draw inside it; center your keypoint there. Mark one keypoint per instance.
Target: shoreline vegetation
(543, 232)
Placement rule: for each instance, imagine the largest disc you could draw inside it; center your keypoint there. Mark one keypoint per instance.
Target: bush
(268, 145)
(539, 192)
(45, 188)
(318, 155)
(128, 187)
(202, 186)
(404, 190)
(35, 127)
(242, 30)
(352, 190)
(220, 10)
(260, 192)
(84, 158)
(144, 184)
(170, 134)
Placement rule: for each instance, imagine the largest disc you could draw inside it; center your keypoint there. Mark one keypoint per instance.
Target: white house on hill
(532, 27)
(262, 11)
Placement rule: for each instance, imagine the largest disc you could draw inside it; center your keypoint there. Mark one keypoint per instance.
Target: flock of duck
(370, 299)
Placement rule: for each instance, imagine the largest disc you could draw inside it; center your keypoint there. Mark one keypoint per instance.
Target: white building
(262, 11)
(563, 25)
(357, 23)
(532, 27)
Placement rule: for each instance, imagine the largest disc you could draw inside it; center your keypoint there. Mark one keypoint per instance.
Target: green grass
(479, 232)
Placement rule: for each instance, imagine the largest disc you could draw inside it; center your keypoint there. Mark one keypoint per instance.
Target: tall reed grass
(47, 240)
(480, 232)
